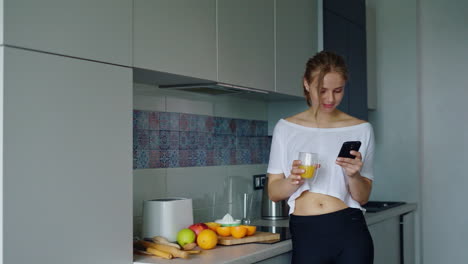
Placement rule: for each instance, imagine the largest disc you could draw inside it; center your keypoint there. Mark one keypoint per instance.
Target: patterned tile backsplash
(170, 140)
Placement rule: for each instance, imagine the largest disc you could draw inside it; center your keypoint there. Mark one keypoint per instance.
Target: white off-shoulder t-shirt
(289, 139)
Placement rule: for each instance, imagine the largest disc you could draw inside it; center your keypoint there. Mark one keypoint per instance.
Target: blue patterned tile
(168, 140)
(154, 140)
(142, 159)
(193, 122)
(201, 140)
(242, 142)
(265, 156)
(233, 126)
(184, 158)
(209, 124)
(169, 158)
(244, 156)
(154, 159)
(233, 156)
(210, 158)
(201, 157)
(142, 120)
(135, 160)
(252, 128)
(254, 142)
(209, 141)
(174, 121)
(192, 140)
(222, 125)
(164, 120)
(262, 128)
(243, 127)
(173, 158)
(222, 156)
(141, 139)
(135, 113)
(201, 121)
(256, 156)
(184, 122)
(153, 120)
(184, 140)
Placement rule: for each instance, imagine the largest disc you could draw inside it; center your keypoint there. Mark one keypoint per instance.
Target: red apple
(197, 228)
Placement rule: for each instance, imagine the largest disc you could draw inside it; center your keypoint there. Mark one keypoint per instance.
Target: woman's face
(330, 94)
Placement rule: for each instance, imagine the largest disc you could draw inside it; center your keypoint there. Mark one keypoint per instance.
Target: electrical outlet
(259, 181)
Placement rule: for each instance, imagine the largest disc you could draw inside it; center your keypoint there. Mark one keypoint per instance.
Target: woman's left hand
(352, 167)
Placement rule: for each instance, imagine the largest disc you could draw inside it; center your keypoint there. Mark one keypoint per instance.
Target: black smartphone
(347, 147)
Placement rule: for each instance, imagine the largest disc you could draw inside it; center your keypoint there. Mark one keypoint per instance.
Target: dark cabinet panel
(344, 33)
(335, 38)
(351, 10)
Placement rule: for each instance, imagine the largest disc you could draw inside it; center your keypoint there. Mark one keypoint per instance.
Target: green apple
(185, 236)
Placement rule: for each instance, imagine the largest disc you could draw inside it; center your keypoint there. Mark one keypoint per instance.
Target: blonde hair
(319, 65)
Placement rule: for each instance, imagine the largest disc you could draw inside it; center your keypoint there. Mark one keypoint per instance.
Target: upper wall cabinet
(296, 42)
(246, 43)
(176, 36)
(92, 29)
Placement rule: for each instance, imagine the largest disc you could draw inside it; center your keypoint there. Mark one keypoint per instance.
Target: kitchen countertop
(250, 253)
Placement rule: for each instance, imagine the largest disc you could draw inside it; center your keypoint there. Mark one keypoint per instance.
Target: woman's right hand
(295, 176)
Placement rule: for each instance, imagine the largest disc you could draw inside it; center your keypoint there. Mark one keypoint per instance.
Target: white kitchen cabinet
(98, 30)
(176, 36)
(246, 43)
(67, 156)
(386, 237)
(296, 42)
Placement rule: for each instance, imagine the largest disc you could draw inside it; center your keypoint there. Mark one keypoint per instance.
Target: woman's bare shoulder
(298, 118)
(348, 120)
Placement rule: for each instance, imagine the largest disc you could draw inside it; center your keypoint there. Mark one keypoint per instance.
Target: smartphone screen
(347, 147)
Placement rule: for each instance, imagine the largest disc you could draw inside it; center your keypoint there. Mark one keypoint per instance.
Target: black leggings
(340, 237)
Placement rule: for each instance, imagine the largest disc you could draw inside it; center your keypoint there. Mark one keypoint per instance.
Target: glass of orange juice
(309, 163)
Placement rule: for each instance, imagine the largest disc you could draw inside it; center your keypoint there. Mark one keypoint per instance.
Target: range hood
(214, 88)
(170, 81)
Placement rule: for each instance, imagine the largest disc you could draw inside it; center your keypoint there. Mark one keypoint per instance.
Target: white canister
(166, 217)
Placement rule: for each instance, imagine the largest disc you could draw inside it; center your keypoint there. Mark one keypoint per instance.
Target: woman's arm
(359, 186)
(280, 188)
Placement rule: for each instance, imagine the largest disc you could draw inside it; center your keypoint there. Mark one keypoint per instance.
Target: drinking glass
(309, 163)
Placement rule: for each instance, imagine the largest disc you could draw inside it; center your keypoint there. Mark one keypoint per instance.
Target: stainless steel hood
(170, 81)
(212, 88)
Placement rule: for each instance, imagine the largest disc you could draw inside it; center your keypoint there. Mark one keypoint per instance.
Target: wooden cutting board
(257, 237)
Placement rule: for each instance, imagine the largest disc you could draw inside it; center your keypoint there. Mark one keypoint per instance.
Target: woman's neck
(318, 116)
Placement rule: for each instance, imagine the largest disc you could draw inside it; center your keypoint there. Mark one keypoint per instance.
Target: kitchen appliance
(273, 210)
(166, 216)
(377, 206)
(283, 231)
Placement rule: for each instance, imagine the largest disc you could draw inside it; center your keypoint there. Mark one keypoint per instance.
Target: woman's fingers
(357, 154)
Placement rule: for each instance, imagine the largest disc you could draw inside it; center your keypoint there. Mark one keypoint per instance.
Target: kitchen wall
(420, 56)
(443, 50)
(393, 84)
(215, 190)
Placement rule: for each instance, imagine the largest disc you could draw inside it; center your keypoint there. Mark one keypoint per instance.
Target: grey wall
(393, 92)
(444, 87)
(394, 81)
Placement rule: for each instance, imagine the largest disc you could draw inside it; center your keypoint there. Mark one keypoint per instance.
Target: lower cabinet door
(386, 237)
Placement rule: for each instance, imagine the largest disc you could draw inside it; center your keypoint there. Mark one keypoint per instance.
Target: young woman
(326, 219)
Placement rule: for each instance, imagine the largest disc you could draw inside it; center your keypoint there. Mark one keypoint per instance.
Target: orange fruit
(213, 225)
(223, 231)
(238, 231)
(207, 239)
(250, 229)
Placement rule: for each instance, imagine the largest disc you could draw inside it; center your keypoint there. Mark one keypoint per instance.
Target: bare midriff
(310, 203)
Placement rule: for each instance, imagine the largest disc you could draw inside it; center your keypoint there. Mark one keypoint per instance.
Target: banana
(162, 240)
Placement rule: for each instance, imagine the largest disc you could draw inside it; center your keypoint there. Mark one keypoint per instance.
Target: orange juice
(309, 171)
